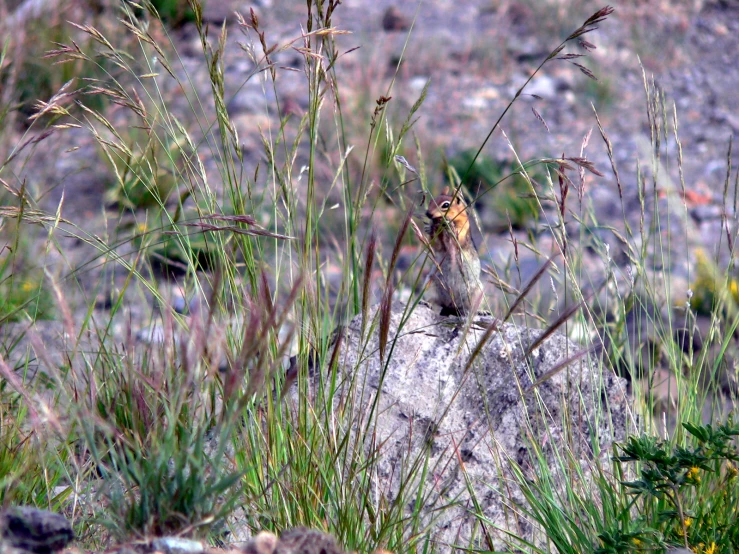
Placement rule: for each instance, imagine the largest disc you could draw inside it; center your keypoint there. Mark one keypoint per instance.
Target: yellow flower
(732, 470)
(27, 286)
(734, 288)
(693, 474)
(686, 523)
(141, 228)
(711, 549)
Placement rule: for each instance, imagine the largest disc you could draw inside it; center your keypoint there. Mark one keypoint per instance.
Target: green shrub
(682, 495)
(24, 291)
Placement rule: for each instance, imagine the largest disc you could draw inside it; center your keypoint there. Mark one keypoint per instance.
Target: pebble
(176, 545)
(544, 86)
(154, 334)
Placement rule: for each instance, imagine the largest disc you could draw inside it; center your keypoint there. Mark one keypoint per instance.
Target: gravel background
(475, 54)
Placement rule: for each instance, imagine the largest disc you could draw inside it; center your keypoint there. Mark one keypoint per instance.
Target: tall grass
(196, 430)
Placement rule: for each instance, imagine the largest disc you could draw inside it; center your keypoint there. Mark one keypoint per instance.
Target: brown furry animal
(456, 277)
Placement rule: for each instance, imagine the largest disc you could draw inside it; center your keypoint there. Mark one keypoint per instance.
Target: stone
(34, 530)
(6, 548)
(394, 20)
(177, 545)
(543, 86)
(299, 540)
(472, 412)
(263, 543)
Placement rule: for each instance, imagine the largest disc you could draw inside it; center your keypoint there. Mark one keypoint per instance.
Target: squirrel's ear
(445, 192)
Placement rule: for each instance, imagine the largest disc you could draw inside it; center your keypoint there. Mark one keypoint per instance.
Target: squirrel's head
(445, 205)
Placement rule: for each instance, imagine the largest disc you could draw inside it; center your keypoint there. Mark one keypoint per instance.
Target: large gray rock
(475, 422)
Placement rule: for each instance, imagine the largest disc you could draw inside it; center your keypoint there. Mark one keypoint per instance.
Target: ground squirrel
(456, 276)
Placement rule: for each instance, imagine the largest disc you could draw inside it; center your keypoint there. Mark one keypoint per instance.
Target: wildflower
(686, 523)
(711, 549)
(636, 542)
(27, 286)
(734, 288)
(693, 474)
(141, 228)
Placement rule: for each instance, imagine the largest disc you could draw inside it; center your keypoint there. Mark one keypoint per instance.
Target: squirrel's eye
(445, 206)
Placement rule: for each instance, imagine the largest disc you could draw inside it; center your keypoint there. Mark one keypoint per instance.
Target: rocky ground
(475, 58)
(26, 530)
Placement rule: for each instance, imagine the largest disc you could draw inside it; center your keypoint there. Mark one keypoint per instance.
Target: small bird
(456, 277)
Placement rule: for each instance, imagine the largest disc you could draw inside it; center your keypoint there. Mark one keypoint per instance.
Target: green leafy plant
(24, 296)
(682, 495)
